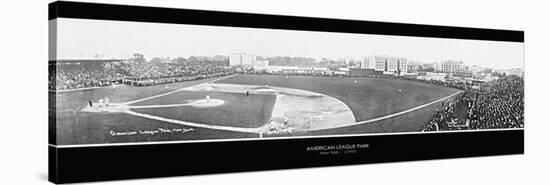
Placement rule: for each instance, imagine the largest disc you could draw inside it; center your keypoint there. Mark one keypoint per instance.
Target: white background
(23, 101)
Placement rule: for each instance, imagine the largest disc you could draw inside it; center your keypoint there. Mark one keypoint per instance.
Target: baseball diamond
(248, 106)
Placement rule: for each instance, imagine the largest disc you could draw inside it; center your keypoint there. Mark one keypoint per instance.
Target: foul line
(387, 116)
(178, 90)
(217, 127)
(158, 106)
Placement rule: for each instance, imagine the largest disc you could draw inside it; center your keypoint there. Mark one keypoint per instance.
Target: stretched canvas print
(141, 92)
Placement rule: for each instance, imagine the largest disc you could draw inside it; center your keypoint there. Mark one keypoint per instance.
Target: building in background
(452, 66)
(355, 64)
(379, 62)
(366, 63)
(402, 65)
(476, 69)
(414, 66)
(431, 67)
(392, 64)
(386, 64)
(235, 59)
(241, 59)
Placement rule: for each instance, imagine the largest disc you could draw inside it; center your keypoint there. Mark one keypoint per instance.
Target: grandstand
(68, 74)
(72, 74)
(495, 104)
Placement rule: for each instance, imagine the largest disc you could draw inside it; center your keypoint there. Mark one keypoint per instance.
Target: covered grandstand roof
(69, 61)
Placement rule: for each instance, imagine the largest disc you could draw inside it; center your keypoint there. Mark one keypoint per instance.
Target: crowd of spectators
(452, 115)
(146, 74)
(139, 74)
(77, 79)
(172, 79)
(497, 104)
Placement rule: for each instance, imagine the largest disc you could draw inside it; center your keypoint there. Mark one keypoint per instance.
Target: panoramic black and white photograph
(116, 82)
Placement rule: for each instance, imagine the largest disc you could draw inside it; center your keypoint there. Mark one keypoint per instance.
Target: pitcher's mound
(207, 103)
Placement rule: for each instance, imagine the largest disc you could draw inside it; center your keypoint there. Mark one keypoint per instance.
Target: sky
(84, 38)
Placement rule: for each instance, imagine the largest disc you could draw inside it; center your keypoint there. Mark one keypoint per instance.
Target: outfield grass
(368, 98)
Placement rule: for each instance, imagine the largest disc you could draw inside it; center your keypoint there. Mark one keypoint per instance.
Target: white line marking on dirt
(158, 106)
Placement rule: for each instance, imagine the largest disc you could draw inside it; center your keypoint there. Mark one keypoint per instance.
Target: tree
(157, 60)
(324, 62)
(429, 69)
(179, 60)
(138, 57)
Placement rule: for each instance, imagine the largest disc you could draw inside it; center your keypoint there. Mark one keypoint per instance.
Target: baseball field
(244, 106)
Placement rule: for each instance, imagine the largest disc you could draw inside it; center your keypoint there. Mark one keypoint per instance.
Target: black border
(161, 160)
(82, 164)
(64, 9)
